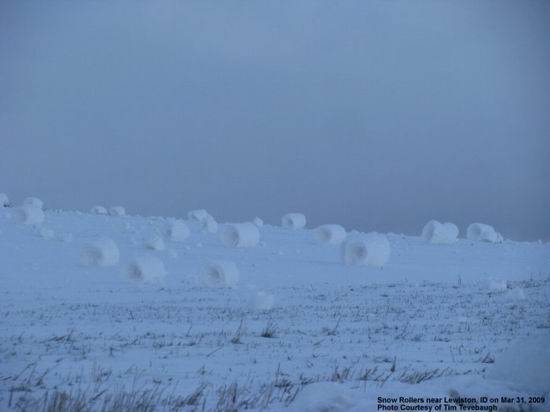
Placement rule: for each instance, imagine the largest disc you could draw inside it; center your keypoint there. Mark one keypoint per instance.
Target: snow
(47, 233)
(221, 274)
(436, 232)
(294, 221)
(483, 232)
(198, 215)
(258, 222)
(4, 200)
(205, 220)
(117, 211)
(325, 397)
(516, 294)
(263, 300)
(524, 365)
(147, 269)
(354, 397)
(371, 249)
(467, 317)
(177, 230)
(243, 235)
(210, 225)
(498, 285)
(33, 202)
(155, 242)
(29, 215)
(100, 252)
(99, 210)
(330, 234)
(65, 237)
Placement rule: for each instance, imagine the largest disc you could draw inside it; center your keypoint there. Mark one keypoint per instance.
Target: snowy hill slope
(435, 312)
(284, 257)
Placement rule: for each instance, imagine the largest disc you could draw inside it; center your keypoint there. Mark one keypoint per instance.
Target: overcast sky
(377, 115)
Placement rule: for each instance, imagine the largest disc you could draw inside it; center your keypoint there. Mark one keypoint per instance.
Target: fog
(375, 115)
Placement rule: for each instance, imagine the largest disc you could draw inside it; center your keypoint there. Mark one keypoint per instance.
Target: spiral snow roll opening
(240, 235)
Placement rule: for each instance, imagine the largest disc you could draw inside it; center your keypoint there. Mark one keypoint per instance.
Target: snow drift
(372, 249)
(258, 222)
(294, 221)
(436, 232)
(29, 215)
(240, 235)
(4, 200)
(331, 234)
(101, 252)
(324, 397)
(177, 231)
(220, 274)
(117, 211)
(524, 365)
(148, 269)
(33, 202)
(483, 232)
(98, 210)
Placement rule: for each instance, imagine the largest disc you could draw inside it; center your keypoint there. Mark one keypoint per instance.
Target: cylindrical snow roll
(240, 235)
(436, 232)
(177, 231)
(33, 202)
(429, 229)
(4, 200)
(148, 269)
(117, 211)
(29, 215)
(355, 252)
(331, 234)
(258, 222)
(221, 274)
(205, 219)
(452, 231)
(210, 225)
(101, 252)
(98, 210)
(294, 221)
(483, 232)
(372, 249)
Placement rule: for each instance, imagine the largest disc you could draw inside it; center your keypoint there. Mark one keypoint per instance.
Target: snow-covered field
(83, 325)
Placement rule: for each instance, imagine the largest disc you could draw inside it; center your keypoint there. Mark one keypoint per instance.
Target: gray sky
(376, 115)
